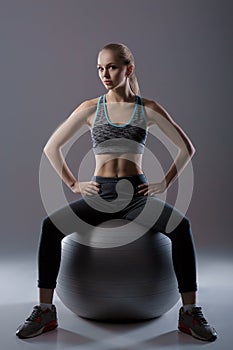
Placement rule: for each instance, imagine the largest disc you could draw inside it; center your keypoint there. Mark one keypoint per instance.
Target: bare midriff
(117, 165)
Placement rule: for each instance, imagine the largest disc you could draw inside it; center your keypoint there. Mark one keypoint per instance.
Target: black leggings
(117, 199)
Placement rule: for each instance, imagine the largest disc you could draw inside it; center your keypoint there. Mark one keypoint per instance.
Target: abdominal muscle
(117, 165)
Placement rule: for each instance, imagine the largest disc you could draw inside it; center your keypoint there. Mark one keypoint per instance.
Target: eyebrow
(99, 65)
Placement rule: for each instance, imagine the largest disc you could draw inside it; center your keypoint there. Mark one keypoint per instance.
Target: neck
(120, 95)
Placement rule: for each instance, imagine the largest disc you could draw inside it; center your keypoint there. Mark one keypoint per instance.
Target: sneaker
(40, 321)
(193, 322)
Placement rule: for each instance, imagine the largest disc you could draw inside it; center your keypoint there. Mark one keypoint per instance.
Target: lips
(107, 81)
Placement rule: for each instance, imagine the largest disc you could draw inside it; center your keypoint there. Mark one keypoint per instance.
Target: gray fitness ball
(127, 282)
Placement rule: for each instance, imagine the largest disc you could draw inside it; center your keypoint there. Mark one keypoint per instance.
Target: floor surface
(19, 294)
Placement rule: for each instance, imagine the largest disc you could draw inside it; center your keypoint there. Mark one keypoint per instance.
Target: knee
(178, 230)
(186, 223)
(49, 229)
(184, 226)
(182, 232)
(46, 224)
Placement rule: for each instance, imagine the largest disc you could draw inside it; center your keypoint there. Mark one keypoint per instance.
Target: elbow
(46, 150)
(192, 151)
(47, 153)
(50, 149)
(188, 151)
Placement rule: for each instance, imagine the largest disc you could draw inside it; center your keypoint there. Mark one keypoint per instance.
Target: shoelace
(35, 313)
(198, 315)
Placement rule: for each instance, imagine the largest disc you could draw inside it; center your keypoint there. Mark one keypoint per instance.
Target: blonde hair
(126, 57)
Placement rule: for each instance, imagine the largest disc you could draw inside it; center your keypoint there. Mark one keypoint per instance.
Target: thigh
(154, 214)
(78, 216)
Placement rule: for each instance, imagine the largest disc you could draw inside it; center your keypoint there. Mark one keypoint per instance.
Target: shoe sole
(49, 327)
(189, 331)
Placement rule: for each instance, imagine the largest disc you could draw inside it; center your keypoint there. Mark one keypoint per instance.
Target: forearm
(176, 168)
(58, 162)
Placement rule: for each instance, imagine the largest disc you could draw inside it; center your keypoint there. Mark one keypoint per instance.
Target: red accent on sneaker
(50, 326)
(183, 328)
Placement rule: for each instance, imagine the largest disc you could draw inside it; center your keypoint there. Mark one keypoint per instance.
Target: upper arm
(157, 115)
(71, 125)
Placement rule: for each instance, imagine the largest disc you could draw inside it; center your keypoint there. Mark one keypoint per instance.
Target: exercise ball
(125, 283)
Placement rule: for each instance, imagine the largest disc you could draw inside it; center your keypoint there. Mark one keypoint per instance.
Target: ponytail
(133, 82)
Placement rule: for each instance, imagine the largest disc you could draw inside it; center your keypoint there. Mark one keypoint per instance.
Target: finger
(90, 193)
(147, 193)
(142, 185)
(95, 183)
(90, 190)
(141, 191)
(94, 190)
(95, 186)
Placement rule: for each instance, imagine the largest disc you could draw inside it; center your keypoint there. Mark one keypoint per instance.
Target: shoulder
(153, 110)
(86, 110)
(88, 104)
(154, 105)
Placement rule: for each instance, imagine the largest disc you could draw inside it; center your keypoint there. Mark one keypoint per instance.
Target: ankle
(45, 306)
(188, 298)
(188, 307)
(46, 295)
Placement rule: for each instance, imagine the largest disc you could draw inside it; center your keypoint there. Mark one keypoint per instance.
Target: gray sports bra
(111, 138)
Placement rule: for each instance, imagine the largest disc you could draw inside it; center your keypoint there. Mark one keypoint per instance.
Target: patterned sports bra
(108, 137)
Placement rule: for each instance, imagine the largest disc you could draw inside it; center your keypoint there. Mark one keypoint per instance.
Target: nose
(106, 73)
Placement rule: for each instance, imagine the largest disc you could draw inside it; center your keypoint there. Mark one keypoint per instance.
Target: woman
(118, 144)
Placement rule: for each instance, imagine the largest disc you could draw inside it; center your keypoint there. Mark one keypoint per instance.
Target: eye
(100, 68)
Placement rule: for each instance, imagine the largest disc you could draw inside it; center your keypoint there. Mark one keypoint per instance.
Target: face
(111, 70)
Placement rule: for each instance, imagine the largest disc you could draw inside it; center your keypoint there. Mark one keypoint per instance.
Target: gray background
(183, 55)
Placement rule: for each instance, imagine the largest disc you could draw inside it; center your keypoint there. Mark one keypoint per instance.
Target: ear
(130, 69)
